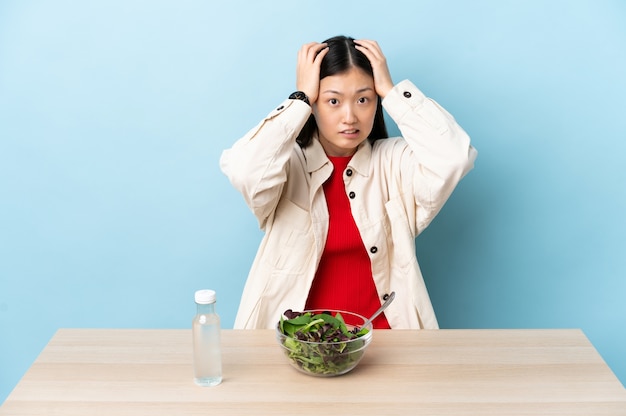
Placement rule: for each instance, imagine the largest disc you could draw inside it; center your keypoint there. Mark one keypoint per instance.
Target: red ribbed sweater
(344, 276)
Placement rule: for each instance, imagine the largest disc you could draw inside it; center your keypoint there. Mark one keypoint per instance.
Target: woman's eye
(333, 101)
(363, 100)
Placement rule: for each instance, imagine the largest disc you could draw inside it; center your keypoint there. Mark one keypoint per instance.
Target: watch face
(299, 95)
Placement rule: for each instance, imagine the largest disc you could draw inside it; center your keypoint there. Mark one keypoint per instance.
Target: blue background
(113, 115)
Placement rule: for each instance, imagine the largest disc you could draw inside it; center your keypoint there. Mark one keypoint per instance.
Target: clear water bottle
(207, 356)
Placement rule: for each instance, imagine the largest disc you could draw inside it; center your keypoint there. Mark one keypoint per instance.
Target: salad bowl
(323, 343)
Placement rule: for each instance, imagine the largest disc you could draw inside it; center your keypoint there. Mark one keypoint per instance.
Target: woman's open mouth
(350, 134)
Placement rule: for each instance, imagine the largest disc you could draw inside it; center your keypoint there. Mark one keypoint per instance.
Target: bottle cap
(205, 296)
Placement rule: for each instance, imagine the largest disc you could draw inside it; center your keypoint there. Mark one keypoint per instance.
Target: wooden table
(443, 372)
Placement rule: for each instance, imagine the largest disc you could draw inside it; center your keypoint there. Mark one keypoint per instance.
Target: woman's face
(344, 111)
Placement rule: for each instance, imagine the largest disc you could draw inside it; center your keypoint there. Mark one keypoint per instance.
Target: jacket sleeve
(439, 152)
(256, 164)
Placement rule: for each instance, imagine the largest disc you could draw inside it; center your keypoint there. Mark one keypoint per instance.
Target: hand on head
(382, 77)
(308, 69)
(310, 59)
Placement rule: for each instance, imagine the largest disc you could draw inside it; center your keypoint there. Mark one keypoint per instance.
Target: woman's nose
(349, 115)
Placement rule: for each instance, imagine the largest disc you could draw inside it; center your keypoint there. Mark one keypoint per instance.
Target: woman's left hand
(382, 77)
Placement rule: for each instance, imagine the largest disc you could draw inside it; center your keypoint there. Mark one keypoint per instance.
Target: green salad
(320, 343)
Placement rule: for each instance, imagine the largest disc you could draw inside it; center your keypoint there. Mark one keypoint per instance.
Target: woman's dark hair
(341, 57)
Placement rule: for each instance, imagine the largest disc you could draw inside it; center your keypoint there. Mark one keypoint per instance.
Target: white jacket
(399, 185)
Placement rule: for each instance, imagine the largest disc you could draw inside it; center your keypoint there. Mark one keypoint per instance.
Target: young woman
(340, 203)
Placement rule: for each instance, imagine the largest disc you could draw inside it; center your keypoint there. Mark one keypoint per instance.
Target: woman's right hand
(308, 69)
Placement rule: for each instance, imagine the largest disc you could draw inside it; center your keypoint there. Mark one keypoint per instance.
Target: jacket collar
(316, 157)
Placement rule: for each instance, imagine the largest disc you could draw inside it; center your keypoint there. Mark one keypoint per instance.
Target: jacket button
(280, 108)
(386, 296)
(373, 249)
(407, 94)
(352, 195)
(349, 172)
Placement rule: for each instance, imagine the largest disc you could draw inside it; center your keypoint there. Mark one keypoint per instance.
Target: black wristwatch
(299, 95)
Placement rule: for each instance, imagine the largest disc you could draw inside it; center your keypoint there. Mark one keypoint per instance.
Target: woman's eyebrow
(359, 91)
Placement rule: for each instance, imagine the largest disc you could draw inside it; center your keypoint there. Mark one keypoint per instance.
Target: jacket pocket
(290, 241)
(402, 239)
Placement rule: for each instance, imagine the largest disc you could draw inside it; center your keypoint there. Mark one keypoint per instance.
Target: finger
(315, 50)
(320, 55)
(310, 50)
(367, 42)
(370, 48)
(303, 52)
